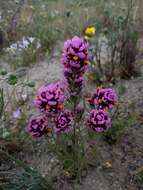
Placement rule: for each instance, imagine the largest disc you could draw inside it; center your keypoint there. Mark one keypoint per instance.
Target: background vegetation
(29, 32)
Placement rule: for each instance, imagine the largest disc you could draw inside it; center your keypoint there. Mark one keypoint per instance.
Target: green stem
(74, 141)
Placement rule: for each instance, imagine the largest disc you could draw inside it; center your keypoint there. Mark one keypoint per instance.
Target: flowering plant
(63, 104)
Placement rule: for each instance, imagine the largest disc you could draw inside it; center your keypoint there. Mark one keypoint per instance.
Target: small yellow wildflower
(107, 164)
(67, 174)
(86, 38)
(90, 31)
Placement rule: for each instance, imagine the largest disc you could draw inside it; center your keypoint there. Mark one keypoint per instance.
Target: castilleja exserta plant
(52, 100)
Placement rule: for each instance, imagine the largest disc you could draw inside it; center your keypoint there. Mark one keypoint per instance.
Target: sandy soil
(126, 157)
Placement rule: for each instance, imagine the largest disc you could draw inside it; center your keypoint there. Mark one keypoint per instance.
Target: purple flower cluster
(38, 126)
(104, 98)
(63, 122)
(75, 59)
(50, 98)
(99, 120)
(50, 101)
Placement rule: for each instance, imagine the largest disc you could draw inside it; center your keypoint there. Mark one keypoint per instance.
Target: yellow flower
(75, 58)
(86, 62)
(86, 38)
(67, 173)
(107, 164)
(90, 31)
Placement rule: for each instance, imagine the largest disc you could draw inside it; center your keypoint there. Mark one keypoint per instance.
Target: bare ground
(126, 157)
